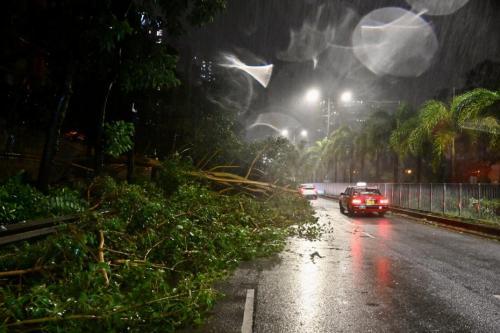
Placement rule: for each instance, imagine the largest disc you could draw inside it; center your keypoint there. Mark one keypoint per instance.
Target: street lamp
(313, 95)
(292, 133)
(346, 96)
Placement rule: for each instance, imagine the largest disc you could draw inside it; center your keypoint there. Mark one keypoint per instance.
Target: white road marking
(247, 325)
(367, 234)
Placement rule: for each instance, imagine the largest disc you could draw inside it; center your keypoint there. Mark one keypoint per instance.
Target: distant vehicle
(363, 199)
(308, 191)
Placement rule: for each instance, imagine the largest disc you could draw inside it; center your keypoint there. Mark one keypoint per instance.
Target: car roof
(364, 187)
(361, 188)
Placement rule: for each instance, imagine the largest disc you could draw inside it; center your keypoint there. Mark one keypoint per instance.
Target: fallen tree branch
(254, 161)
(21, 271)
(233, 181)
(101, 256)
(224, 167)
(139, 263)
(155, 245)
(50, 319)
(209, 159)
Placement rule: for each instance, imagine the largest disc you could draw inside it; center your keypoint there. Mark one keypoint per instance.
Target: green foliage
(61, 201)
(172, 174)
(474, 104)
(487, 210)
(401, 128)
(19, 202)
(156, 71)
(203, 11)
(278, 161)
(442, 124)
(400, 139)
(319, 155)
(478, 110)
(114, 33)
(161, 256)
(119, 135)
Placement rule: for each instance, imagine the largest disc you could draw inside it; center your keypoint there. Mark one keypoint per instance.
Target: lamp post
(328, 115)
(313, 95)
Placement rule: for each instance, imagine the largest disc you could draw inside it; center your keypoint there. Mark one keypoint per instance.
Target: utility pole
(328, 115)
(329, 112)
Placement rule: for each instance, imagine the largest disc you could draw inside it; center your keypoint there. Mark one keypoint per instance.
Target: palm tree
(341, 148)
(443, 124)
(400, 142)
(479, 112)
(362, 146)
(319, 156)
(379, 128)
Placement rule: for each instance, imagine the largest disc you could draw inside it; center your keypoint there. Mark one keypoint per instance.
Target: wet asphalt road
(369, 274)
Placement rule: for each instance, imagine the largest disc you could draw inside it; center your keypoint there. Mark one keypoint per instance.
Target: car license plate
(370, 202)
(362, 207)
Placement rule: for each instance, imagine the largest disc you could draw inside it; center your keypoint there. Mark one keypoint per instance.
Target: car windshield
(366, 191)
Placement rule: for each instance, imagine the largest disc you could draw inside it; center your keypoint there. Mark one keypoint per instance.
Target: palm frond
(473, 104)
(417, 139)
(432, 114)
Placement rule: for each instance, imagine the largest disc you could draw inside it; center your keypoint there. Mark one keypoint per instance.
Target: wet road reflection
(309, 283)
(384, 229)
(356, 253)
(375, 274)
(371, 274)
(383, 268)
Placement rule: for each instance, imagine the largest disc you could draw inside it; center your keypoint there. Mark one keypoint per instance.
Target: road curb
(476, 229)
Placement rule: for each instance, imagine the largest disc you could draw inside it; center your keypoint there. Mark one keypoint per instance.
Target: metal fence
(476, 201)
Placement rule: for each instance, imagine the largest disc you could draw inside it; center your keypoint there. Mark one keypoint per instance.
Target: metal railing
(475, 201)
(11, 233)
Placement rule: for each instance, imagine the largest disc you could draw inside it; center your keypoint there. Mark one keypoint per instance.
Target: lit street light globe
(312, 95)
(303, 133)
(284, 132)
(346, 97)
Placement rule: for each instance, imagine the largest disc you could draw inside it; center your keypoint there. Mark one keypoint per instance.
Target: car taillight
(356, 201)
(384, 201)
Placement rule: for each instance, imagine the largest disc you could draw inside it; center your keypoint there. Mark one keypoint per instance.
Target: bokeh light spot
(394, 41)
(437, 7)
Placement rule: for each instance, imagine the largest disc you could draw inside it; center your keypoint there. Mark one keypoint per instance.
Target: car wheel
(342, 210)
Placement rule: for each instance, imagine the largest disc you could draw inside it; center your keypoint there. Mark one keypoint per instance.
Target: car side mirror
(342, 193)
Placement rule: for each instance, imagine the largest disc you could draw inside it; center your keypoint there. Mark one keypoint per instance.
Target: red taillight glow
(384, 201)
(356, 201)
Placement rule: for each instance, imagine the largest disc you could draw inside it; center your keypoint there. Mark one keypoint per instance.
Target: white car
(308, 191)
